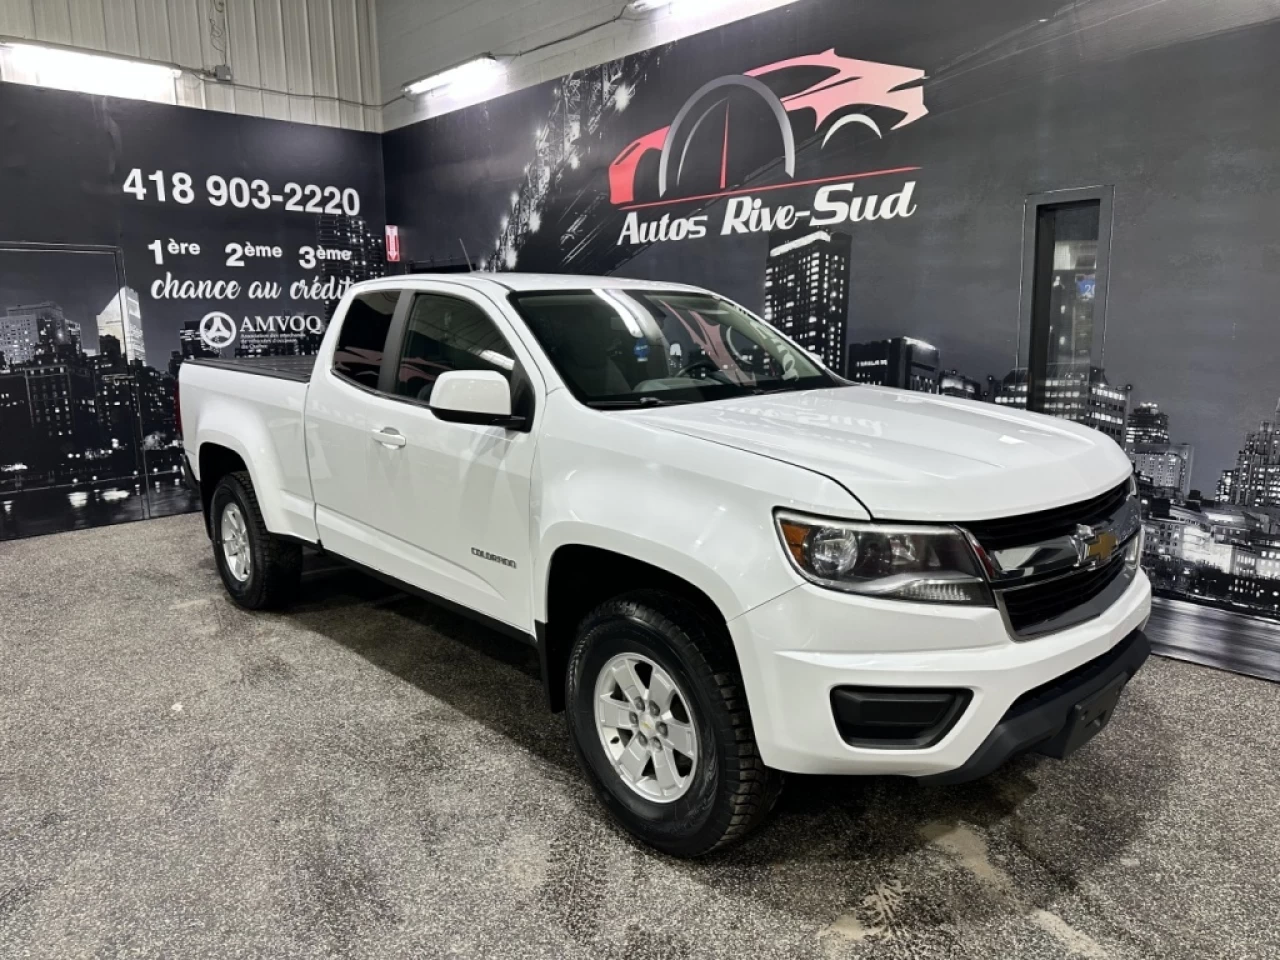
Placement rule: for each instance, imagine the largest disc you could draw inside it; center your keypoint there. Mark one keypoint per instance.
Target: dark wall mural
(1073, 208)
(135, 236)
(1069, 208)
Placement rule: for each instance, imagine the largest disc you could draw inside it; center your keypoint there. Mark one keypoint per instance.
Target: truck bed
(282, 368)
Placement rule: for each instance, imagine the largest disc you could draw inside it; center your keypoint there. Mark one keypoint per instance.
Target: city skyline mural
(193, 235)
(868, 180)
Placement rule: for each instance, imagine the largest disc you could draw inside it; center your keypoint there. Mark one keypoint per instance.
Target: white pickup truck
(731, 561)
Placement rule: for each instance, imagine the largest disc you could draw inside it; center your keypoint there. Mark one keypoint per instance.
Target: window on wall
(1064, 304)
(1066, 282)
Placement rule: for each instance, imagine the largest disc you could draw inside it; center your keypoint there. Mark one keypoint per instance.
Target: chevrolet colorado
(732, 562)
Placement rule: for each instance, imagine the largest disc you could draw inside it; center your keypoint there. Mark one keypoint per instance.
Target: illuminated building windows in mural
(806, 290)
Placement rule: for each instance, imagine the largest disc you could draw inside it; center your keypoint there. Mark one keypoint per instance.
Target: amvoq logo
(218, 331)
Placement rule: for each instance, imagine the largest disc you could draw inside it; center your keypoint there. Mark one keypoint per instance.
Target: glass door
(1064, 311)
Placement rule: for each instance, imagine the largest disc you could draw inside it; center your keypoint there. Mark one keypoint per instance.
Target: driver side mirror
(481, 398)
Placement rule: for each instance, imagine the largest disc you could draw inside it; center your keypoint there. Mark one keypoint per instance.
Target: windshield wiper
(633, 404)
(789, 388)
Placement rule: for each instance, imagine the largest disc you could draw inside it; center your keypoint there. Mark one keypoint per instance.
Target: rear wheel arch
(260, 571)
(580, 578)
(215, 461)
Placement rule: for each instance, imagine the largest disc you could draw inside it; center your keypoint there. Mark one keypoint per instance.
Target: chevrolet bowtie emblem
(1094, 547)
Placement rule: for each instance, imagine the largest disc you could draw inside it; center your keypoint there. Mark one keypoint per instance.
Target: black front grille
(1046, 524)
(1034, 608)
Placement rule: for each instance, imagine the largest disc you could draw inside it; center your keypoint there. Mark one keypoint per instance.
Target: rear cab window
(358, 354)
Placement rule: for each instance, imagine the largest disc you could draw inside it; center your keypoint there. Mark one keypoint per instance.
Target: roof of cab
(520, 282)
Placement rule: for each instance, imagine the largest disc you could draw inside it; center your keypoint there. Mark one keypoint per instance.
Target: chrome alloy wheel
(646, 727)
(235, 543)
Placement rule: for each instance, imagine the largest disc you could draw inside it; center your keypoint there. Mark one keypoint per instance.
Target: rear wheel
(259, 570)
(660, 725)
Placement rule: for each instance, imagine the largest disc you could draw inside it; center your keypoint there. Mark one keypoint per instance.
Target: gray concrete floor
(368, 776)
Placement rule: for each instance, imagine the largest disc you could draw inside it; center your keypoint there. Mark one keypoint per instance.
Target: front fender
(699, 510)
(636, 545)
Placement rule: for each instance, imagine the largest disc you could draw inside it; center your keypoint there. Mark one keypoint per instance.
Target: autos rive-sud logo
(694, 159)
(217, 330)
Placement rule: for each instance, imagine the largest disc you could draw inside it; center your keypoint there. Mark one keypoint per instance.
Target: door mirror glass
(480, 397)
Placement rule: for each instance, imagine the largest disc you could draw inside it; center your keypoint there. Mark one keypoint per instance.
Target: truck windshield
(634, 348)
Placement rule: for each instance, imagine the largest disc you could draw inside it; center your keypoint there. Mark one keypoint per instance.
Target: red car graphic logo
(852, 82)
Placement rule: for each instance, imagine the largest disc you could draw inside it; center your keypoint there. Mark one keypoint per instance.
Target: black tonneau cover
(282, 368)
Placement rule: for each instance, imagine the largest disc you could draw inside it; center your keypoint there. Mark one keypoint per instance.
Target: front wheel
(660, 725)
(259, 571)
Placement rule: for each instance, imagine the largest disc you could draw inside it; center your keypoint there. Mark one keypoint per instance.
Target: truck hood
(914, 456)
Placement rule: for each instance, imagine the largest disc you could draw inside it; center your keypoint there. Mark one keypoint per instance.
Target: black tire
(276, 565)
(732, 791)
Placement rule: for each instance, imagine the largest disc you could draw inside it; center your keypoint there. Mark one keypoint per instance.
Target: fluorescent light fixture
(684, 8)
(67, 69)
(472, 76)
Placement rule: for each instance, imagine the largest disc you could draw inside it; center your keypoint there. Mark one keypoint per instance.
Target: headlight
(891, 561)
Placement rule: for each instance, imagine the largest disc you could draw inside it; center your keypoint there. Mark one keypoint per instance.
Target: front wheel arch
(579, 579)
(729, 791)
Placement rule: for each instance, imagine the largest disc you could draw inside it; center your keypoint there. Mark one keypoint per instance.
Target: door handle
(389, 437)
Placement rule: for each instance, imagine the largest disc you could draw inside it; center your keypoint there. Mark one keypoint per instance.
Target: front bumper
(1041, 719)
(797, 648)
